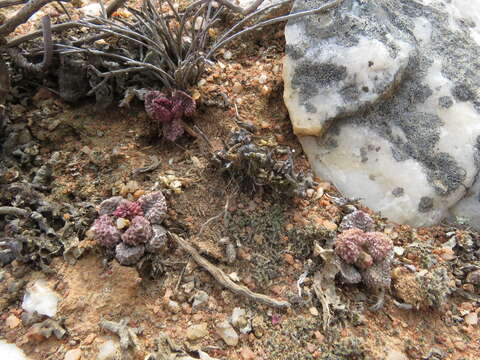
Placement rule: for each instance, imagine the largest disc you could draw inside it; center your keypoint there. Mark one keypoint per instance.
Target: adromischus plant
(132, 228)
(371, 253)
(168, 110)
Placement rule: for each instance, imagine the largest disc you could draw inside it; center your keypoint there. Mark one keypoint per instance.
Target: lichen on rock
(386, 108)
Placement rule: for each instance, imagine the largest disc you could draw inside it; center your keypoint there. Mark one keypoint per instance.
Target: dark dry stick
(111, 8)
(14, 211)
(223, 279)
(22, 16)
(22, 61)
(7, 3)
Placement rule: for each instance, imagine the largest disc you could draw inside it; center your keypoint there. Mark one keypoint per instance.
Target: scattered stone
(227, 333)
(159, 241)
(200, 297)
(460, 345)
(12, 321)
(74, 354)
(393, 354)
(198, 331)
(129, 255)
(258, 326)
(314, 311)
(471, 318)
(122, 223)
(474, 277)
(357, 219)
(237, 88)
(40, 298)
(173, 306)
(247, 354)
(89, 339)
(93, 9)
(239, 318)
(109, 350)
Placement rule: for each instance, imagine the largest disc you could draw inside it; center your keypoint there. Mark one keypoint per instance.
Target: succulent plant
(105, 232)
(129, 255)
(128, 210)
(357, 219)
(372, 254)
(158, 242)
(131, 228)
(154, 207)
(169, 110)
(138, 233)
(378, 245)
(108, 206)
(352, 243)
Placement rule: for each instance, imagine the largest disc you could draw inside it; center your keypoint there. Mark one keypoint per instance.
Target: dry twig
(223, 279)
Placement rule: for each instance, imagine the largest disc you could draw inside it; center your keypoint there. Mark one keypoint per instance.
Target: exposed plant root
(223, 279)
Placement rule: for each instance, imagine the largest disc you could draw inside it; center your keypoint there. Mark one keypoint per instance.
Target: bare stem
(7, 3)
(21, 61)
(22, 16)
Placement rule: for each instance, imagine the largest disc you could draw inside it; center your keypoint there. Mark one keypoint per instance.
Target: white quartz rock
(11, 352)
(109, 350)
(40, 298)
(386, 108)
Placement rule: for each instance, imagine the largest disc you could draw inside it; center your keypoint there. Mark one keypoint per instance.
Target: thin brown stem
(22, 16)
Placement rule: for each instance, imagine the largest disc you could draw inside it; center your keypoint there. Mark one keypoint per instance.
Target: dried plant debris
(34, 229)
(257, 167)
(166, 349)
(422, 289)
(47, 328)
(128, 335)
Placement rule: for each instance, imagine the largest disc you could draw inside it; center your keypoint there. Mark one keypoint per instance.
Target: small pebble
(265, 90)
(12, 321)
(198, 331)
(227, 333)
(173, 306)
(262, 79)
(247, 354)
(89, 339)
(238, 318)
(314, 311)
(237, 88)
(74, 354)
(460, 345)
(471, 319)
(474, 277)
(395, 355)
(122, 223)
(199, 298)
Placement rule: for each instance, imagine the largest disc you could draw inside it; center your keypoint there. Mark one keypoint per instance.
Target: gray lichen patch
(309, 76)
(426, 204)
(402, 73)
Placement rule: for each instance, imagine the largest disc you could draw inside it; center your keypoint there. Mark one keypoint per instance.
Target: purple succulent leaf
(173, 130)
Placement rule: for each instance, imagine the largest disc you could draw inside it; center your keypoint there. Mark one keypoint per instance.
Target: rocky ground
(430, 312)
